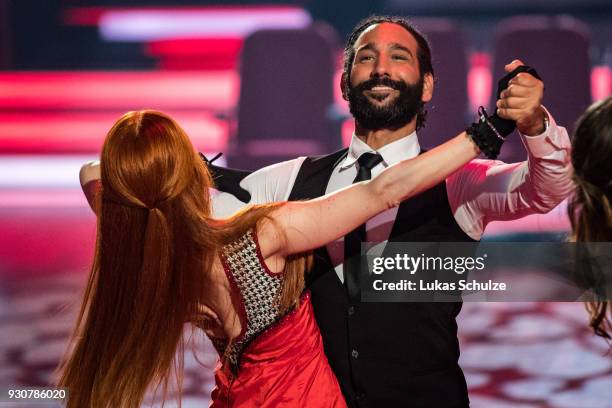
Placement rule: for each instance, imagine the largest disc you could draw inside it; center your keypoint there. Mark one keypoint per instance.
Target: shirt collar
(404, 148)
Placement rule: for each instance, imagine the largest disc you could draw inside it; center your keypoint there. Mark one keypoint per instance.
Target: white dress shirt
(479, 192)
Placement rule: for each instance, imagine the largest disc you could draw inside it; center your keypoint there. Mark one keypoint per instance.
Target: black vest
(388, 354)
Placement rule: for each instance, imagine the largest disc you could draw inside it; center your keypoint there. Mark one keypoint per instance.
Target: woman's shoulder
(89, 172)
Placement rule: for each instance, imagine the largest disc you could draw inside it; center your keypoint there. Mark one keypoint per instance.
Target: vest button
(351, 310)
(354, 353)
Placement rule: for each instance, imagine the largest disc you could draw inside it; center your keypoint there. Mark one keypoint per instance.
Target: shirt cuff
(548, 142)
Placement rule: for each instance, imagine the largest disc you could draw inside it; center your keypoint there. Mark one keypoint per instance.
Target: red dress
(277, 361)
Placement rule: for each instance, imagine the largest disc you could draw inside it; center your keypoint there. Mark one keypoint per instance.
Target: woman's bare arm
(305, 225)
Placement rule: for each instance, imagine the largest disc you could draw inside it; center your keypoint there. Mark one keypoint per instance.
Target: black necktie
(353, 240)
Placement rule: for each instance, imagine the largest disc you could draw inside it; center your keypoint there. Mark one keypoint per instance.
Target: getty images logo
(413, 264)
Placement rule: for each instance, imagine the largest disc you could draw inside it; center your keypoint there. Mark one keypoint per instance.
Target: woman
(162, 261)
(589, 209)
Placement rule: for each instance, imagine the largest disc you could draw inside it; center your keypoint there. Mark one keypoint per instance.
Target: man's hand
(522, 102)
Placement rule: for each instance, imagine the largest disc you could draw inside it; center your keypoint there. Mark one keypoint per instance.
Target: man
(405, 354)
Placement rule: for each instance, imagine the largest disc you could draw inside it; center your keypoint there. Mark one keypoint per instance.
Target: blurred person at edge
(589, 207)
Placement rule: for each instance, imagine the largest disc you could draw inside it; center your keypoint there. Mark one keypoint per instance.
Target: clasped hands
(521, 101)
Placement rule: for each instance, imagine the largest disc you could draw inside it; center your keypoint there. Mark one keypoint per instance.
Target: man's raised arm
(487, 190)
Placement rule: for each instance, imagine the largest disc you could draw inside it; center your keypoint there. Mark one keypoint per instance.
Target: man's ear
(428, 88)
(344, 86)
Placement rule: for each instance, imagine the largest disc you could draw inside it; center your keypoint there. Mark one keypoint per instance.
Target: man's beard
(392, 115)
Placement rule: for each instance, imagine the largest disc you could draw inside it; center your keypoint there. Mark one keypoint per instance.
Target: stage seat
(285, 96)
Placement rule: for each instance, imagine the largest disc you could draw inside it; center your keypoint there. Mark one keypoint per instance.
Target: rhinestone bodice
(258, 288)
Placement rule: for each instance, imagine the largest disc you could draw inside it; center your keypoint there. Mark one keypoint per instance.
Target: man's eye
(400, 57)
(365, 58)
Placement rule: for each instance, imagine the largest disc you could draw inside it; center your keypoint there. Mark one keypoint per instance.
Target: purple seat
(558, 48)
(286, 92)
(446, 112)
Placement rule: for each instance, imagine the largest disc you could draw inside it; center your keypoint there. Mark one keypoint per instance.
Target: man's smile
(380, 93)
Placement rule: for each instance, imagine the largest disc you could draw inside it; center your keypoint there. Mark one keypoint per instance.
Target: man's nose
(382, 67)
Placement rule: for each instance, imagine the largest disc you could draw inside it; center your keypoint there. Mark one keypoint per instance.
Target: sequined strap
(257, 286)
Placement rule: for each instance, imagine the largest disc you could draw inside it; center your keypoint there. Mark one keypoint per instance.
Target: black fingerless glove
(490, 132)
(228, 180)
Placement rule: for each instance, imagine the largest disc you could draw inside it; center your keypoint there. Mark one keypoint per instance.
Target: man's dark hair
(423, 54)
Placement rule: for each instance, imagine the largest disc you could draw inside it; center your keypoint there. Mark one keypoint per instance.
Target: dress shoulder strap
(258, 288)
